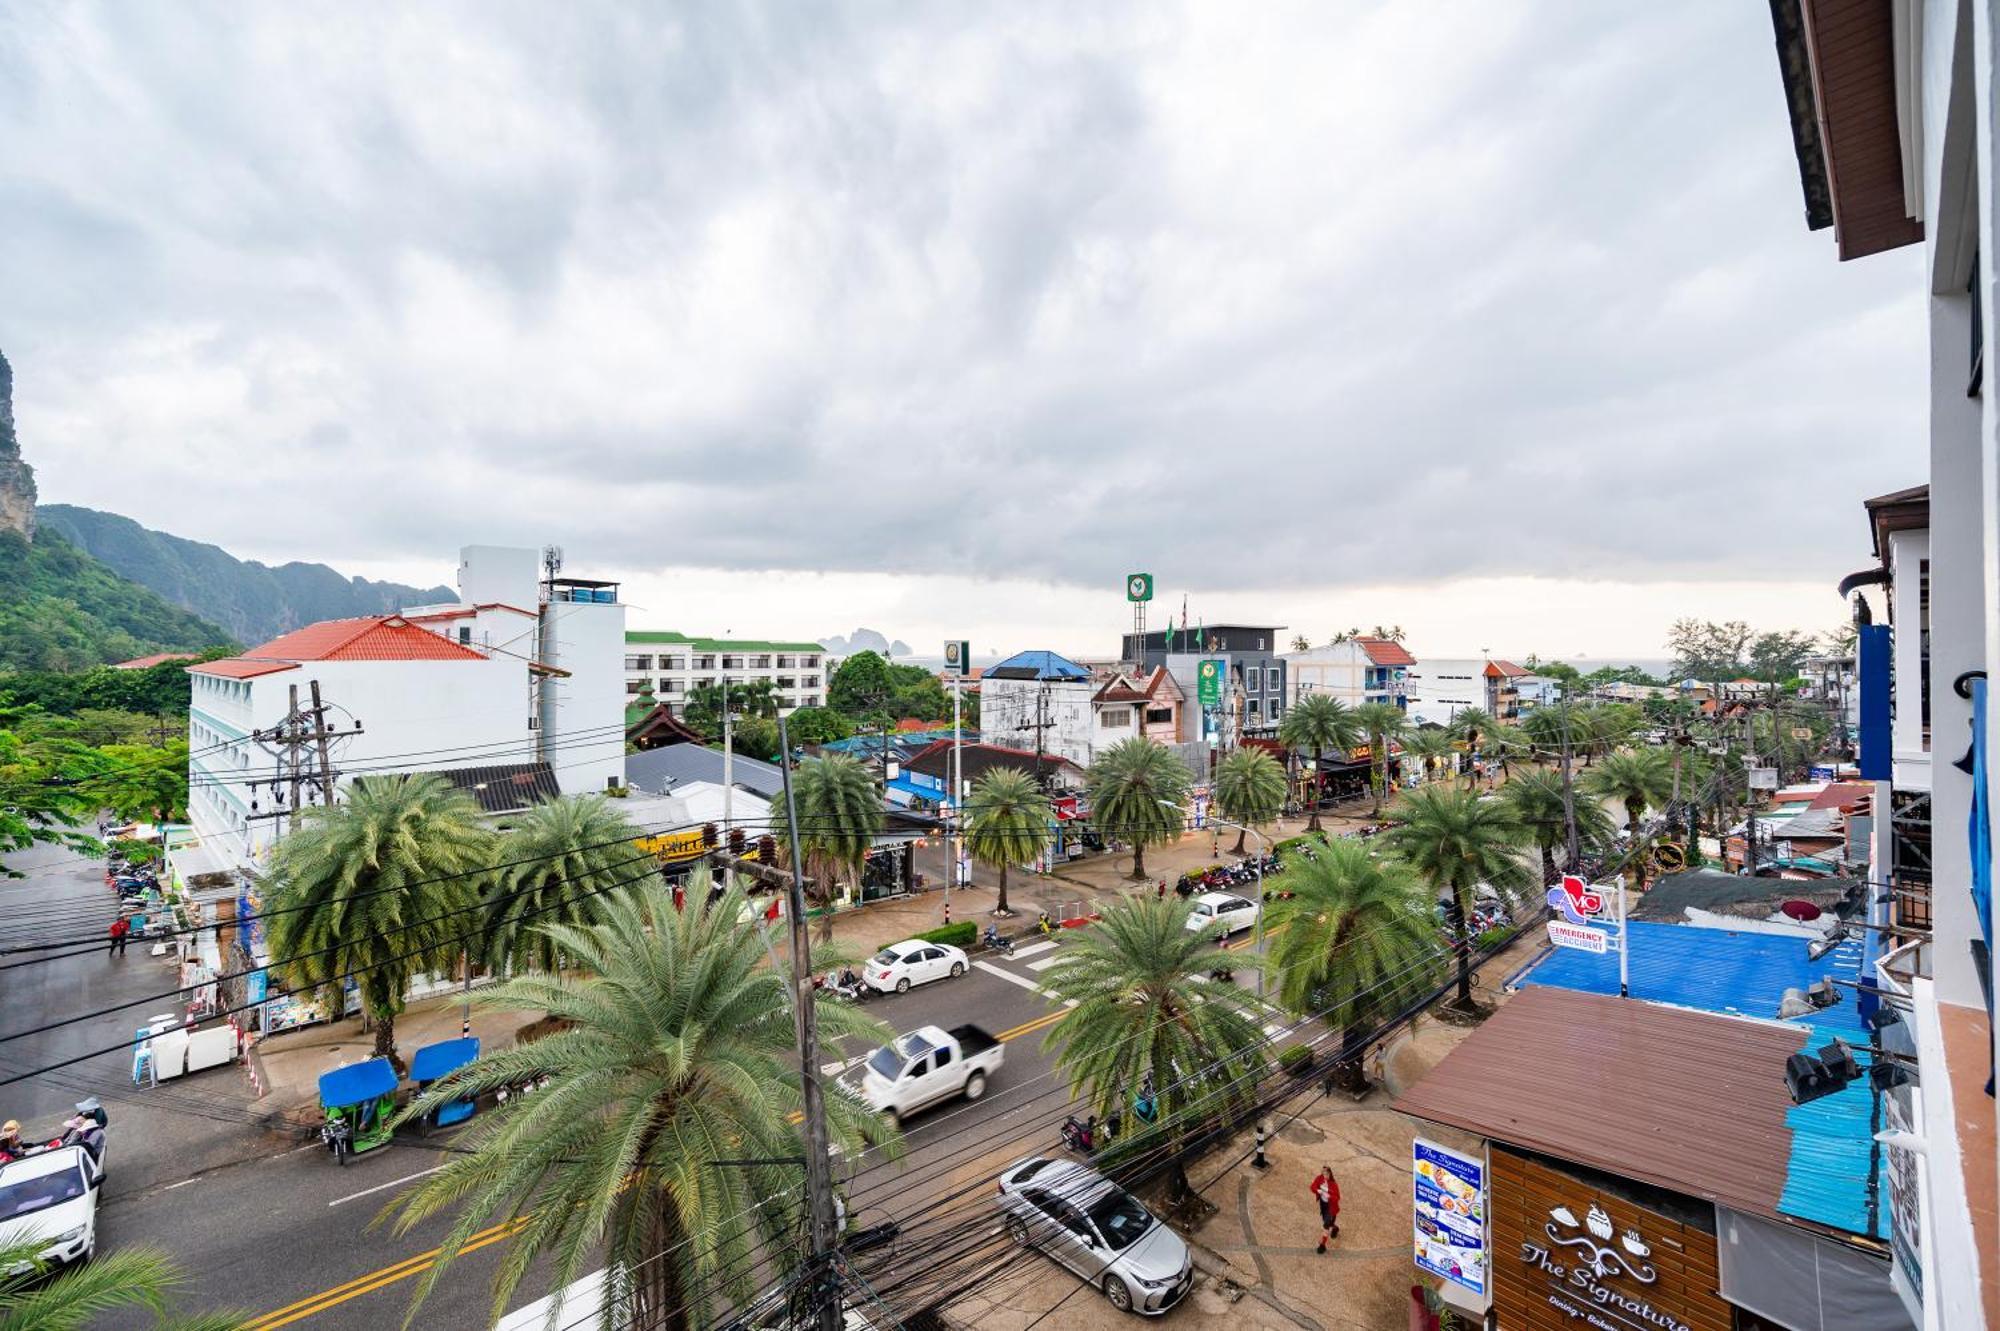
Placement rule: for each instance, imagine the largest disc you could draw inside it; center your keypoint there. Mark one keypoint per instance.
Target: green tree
(1007, 823)
(1138, 791)
(556, 863)
(817, 725)
(1381, 722)
(666, 1132)
(747, 698)
(1639, 779)
(1147, 1008)
(1456, 841)
(139, 782)
(1472, 725)
(1249, 789)
(1430, 746)
(1535, 798)
(46, 789)
(1508, 744)
(840, 813)
(74, 1299)
(379, 888)
(1316, 723)
(870, 690)
(756, 737)
(1353, 941)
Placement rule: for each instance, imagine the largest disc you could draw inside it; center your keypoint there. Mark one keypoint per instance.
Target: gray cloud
(1289, 297)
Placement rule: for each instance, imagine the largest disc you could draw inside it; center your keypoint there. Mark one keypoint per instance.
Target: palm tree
(1639, 779)
(840, 813)
(1508, 743)
(72, 1300)
(1137, 791)
(1535, 798)
(1381, 722)
(666, 1132)
(553, 865)
(1007, 823)
(1429, 745)
(1249, 789)
(380, 888)
(1318, 722)
(1301, 643)
(1147, 1008)
(1353, 940)
(1471, 724)
(1456, 841)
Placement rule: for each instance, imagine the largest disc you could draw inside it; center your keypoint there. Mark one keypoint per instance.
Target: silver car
(1098, 1230)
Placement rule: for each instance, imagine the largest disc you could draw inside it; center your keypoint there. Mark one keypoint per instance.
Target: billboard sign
(958, 657)
(1208, 682)
(1582, 937)
(1138, 586)
(1450, 1214)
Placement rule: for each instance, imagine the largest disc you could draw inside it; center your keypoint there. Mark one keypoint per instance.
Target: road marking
(1030, 1027)
(1031, 950)
(182, 1184)
(843, 1068)
(1012, 978)
(374, 1280)
(309, 1146)
(394, 1182)
(1043, 964)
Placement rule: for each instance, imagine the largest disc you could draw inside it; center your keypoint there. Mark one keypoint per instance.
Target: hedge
(956, 935)
(1296, 1058)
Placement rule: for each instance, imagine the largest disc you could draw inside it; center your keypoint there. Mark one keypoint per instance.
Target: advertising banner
(1208, 682)
(1450, 1191)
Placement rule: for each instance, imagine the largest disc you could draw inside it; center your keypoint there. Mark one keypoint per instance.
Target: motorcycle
(1080, 1135)
(845, 986)
(995, 943)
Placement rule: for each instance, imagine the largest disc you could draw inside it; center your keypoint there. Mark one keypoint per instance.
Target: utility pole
(1572, 843)
(291, 738)
(957, 847)
(319, 739)
(729, 776)
(819, 1180)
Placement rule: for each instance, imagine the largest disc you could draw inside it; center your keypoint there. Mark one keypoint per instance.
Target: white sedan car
(1222, 912)
(900, 965)
(50, 1198)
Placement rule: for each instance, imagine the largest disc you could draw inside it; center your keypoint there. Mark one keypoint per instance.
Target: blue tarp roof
(1036, 665)
(356, 1082)
(914, 790)
(1746, 974)
(446, 1056)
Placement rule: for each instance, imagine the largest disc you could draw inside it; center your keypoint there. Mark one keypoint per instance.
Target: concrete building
(1891, 114)
(671, 665)
(1355, 671)
(1251, 676)
(1042, 702)
(1442, 687)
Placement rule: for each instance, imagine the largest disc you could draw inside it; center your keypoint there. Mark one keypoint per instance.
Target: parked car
(1098, 1230)
(50, 1197)
(1222, 912)
(900, 965)
(929, 1065)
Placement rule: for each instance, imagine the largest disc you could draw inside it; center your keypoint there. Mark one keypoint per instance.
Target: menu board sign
(1450, 1214)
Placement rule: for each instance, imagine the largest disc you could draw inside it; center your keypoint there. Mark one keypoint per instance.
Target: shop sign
(1208, 682)
(1582, 937)
(1450, 1193)
(1905, 1207)
(1580, 1259)
(1138, 586)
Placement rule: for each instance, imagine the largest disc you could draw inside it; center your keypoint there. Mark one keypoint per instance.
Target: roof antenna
(552, 559)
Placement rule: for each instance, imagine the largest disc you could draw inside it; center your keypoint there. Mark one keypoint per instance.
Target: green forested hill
(62, 610)
(253, 601)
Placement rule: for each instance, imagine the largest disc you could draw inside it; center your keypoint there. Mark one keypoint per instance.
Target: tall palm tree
(381, 888)
(1318, 722)
(1639, 779)
(72, 1300)
(1249, 789)
(840, 813)
(663, 1146)
(1138, 790)
(1456, 841)
(1429, 745)
(1381, 722)
(1471, 724)
(1007, 823)
(1353, 940)
(1147, 1008)
(1535, 798)
(1508, 743)
(553, 865)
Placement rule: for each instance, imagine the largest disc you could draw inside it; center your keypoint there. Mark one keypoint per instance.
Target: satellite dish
(1802, 911)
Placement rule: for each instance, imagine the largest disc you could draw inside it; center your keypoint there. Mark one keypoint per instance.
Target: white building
(671, 665)
(1442, 687)
(1355, 671)
(510, 691)
(1041, 702)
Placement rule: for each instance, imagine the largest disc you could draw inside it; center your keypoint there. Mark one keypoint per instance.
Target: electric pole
(819, 1174)
(319, 739)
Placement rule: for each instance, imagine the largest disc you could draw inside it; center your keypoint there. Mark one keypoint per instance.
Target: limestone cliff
(17, 478)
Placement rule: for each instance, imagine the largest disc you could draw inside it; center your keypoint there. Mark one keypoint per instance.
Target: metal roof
(1832, 1153)
(659, 771)
(1687, 1101)
(1036, 665)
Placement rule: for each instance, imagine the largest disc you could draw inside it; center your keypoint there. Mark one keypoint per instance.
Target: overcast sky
(1496, 320)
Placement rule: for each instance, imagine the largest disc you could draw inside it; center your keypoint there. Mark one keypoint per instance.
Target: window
(784, 663)
(785, 682)
(943, 1057)
(760, 663)
(1252, 708)
(1159, 716)
(638, 663)
(673, 663)
(1115, 718)
(732, 663)
(634, 685)
(465, 635)
(670, 686)
(1277, 709)
(1272, 679)
(704, 663)
(809, 662)
(811, 681)
(810, 700)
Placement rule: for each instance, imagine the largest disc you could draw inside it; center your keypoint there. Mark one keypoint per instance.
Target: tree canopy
(868, 687)
(1706, 650)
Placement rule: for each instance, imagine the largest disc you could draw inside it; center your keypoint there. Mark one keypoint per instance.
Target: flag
(771, 912)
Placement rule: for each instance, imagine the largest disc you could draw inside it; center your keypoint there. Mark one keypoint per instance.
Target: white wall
(510, 575)
(587, 744)
(1442, 686)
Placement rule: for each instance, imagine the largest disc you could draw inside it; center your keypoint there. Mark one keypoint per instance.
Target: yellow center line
(388, 1275)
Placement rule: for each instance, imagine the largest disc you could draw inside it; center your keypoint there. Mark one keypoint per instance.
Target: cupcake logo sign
(1627, 1257)
(1582, 1258)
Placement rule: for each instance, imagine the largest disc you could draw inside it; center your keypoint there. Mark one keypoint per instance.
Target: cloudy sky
(1497, 320)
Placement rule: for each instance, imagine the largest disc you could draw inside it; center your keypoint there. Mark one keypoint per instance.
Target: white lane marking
(841, 1069)
(182, 1184)
(1023, 981)
(1031, 950)
(309, 1146)
(1043, 964)
(392, 1183)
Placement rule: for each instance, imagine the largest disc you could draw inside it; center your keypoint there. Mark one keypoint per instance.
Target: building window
(670, 686)
(638, 663)
(784, 663)
(465, 635)
(673, 663)
(635, 685)
(1251, 708)
(760, 663)
(1271, 677)
(1277, 709)
(809, 662)
(704, 663)
(786, 682)
(812, 681)
(732, 663)
(810, 700)
(1159, 716)
(1114, 718)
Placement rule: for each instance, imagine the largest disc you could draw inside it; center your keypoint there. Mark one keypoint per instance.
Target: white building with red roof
(1442, 687)
(1353, 671)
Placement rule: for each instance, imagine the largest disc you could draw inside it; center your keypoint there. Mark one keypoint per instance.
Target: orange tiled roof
(369, 638)
(143, 662)
(1386, 652)
(235, 667)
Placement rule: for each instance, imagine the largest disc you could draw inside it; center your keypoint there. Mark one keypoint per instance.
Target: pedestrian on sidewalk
(1326, 1191)
(1160, 892)
(120, 927)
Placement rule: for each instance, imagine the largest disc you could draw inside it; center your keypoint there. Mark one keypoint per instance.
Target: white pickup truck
(930, 1065)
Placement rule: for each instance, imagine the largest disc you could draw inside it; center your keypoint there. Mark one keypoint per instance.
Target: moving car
(900, 965)
(1224, 912)
(1098, 1230)
(50, 1197)
(928, 1065)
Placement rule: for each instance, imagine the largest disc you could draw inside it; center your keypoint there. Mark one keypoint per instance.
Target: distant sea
(1656, 666)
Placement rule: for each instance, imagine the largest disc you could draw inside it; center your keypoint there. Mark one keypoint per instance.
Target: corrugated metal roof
(1037, 665)
(1746, 974)
(1683, 1100)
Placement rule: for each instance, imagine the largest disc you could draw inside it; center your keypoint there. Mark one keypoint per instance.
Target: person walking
(1326, 1191)
(120, 927)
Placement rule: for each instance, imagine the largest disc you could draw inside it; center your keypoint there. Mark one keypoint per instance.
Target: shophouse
(1442, 687)
(1231, 675)
(1353, 671)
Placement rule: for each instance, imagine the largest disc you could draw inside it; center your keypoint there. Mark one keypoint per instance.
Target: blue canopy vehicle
(436, 1061)
(359, 1101)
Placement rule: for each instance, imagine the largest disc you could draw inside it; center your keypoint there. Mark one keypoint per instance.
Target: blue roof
(1746, 974)
(915, 790)
(356, 1082)
(446, 1056)
(1036, 665)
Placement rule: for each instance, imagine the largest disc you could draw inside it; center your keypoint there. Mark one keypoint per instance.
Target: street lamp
(1259, 869)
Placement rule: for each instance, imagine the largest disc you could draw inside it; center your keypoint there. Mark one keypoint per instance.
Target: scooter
(1080, 1135)
(845, 986)
(994, 942)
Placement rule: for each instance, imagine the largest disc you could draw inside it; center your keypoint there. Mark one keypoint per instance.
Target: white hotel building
(674, 665)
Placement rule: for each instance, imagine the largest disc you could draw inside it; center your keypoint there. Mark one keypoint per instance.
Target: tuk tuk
(359, 1101)
(433, 1063)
